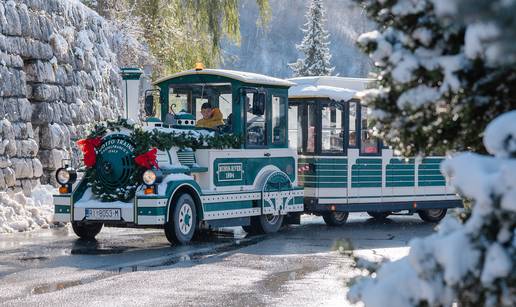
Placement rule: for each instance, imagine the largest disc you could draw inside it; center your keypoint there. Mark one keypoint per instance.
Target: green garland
(144, 141)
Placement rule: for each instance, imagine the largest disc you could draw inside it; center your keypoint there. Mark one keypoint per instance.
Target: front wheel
(432, 215)
(86, 231)
(182, 221)
(335, 218)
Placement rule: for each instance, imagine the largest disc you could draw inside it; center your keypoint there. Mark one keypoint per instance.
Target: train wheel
(86, 231)
(335, 218)
(182, 221)
(267, 223)
(249, 229)
(379, 215)
(432, 215)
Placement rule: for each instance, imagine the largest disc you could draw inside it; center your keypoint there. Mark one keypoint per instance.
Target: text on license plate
(103, 214)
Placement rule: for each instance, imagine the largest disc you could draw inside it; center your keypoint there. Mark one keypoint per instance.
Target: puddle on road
(35, 258)
(46, 288)
(275, 281)
(95, 248)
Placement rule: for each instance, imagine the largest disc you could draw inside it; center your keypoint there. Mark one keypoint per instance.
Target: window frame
(243, 93)
(284, 143)
(345, 127)
(359, 134)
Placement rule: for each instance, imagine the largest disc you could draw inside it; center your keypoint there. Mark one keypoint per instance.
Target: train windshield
(190, 98)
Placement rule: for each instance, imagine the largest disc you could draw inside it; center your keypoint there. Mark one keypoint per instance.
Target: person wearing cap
(211, 117)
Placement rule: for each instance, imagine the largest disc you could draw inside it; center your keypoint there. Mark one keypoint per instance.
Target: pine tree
(314, 45)
(446, 69)
(435, 94)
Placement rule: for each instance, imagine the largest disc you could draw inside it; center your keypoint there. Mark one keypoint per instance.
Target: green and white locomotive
(344, 168)
(244, 169)
(170, 174)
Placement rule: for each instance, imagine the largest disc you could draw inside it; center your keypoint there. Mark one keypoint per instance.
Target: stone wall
(58, 73)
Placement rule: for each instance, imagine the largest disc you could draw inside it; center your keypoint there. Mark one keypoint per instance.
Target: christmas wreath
(146, 144)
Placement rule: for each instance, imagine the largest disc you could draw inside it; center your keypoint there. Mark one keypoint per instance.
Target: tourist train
(280, 148)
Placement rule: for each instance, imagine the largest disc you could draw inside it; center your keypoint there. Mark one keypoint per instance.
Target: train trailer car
(171, 174)
(344, 168)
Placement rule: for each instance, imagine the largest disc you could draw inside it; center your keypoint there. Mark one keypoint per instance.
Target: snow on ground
(21, 213)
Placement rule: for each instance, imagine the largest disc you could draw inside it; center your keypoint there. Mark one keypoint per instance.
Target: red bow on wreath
(148, 159)
(88, 149)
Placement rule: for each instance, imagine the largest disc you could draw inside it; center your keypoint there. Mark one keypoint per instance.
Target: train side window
(332, 136)
(278, 120)
(312, 128)
(368, 143)
(352, 137)
(294, 124)
(255, 114)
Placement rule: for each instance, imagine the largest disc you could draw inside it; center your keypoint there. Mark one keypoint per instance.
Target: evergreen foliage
(179, 33)
(433, 96)
(314, 46)
(444, 74)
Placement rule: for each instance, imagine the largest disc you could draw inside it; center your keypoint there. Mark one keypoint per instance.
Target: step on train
(304, 146)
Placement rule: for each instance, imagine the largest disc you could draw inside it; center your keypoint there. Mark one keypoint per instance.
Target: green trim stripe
(395, 184)
(400, 166)
(432, 183)
(366, 173)
(401, 161)
(152, 211)
(367, 185)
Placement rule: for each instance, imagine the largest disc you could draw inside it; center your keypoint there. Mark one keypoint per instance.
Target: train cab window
(179, 102)
(255, 120)
(369, 144)
(226, 107)
(352, 137)
(294, 138)
(332, 124)
(278, 120)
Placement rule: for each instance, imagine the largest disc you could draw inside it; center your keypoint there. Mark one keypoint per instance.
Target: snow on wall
(58, 72)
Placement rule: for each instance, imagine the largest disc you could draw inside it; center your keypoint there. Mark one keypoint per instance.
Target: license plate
(103, 214)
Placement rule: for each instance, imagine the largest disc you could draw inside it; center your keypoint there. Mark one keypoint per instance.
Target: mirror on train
(259, 104)
(149, 105)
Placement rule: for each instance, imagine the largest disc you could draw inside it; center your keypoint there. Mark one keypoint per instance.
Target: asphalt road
(299, 266)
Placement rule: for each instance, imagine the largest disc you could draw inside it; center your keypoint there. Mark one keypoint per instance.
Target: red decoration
(148, 159)
(88, 149)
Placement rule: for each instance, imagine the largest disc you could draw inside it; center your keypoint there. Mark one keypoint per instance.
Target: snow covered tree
(472, 263)
(435, 92)
(314, 45)
(179, 33)
(444, 74)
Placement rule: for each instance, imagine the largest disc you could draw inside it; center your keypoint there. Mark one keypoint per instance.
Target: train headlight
(151, 177)
(66, 175)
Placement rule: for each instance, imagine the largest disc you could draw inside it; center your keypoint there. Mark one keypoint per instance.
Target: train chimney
(131, 92)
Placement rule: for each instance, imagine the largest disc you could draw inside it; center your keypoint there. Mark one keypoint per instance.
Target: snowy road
(297, 267)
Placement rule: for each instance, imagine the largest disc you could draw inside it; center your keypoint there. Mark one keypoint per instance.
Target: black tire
(265, 224)
(432, 215)
(379, 215)
(335, 218)
(182, 220)
(86, 231)
(248, 229)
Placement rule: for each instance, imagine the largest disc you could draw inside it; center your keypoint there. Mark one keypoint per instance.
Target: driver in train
(211, 117)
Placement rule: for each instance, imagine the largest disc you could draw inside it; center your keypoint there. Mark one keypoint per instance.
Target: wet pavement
(299, 266)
